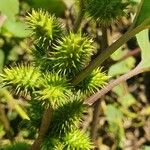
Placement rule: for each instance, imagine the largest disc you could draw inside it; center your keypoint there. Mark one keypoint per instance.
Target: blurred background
(124, 120)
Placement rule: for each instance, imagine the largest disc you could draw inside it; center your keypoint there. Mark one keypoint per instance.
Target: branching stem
(110, 50)
(114, 83)
(96, 112)
(46, 120)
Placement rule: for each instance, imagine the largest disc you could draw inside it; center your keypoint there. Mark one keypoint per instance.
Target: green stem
(46, 120)
(137, 14)
(104, 45)
(96, 112)
(107, 53)
(80, 16)
(6, 124)
(14, 104)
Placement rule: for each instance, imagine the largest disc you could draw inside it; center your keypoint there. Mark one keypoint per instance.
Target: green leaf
(2, 57)
(114, 117)
(56, 7)
(2, 20)
(17, 146)
(113, 114)
(122, 67)
(143, 41)
(136, 1)
(13, 55)
(9, 7)
(146, 147)
(125, 98)
(2, 131)
(118, 54)
(16, 28)
(144, 12)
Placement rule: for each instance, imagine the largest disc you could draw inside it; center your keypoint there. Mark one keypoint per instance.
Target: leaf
(144, 12)
(136, 1)
(143, 41)
(13, 55)
(2, 131)
(56, 7)
(125, 98)
(17, 146)
(122, 67)
(2, 20)
(118, 54)
(146, 147)
(16, 28)
(114, 117)
(113, 114)
(2, 57)
(9, 7)
(119, 90)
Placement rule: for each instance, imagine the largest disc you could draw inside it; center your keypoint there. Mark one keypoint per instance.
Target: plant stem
(14, 104)
(104, 45)
(95, 121)
(80, 16)
(46, 120)
(137, 14)
(114, 83)
(6, 124)
(110, 50)
(96, 112)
